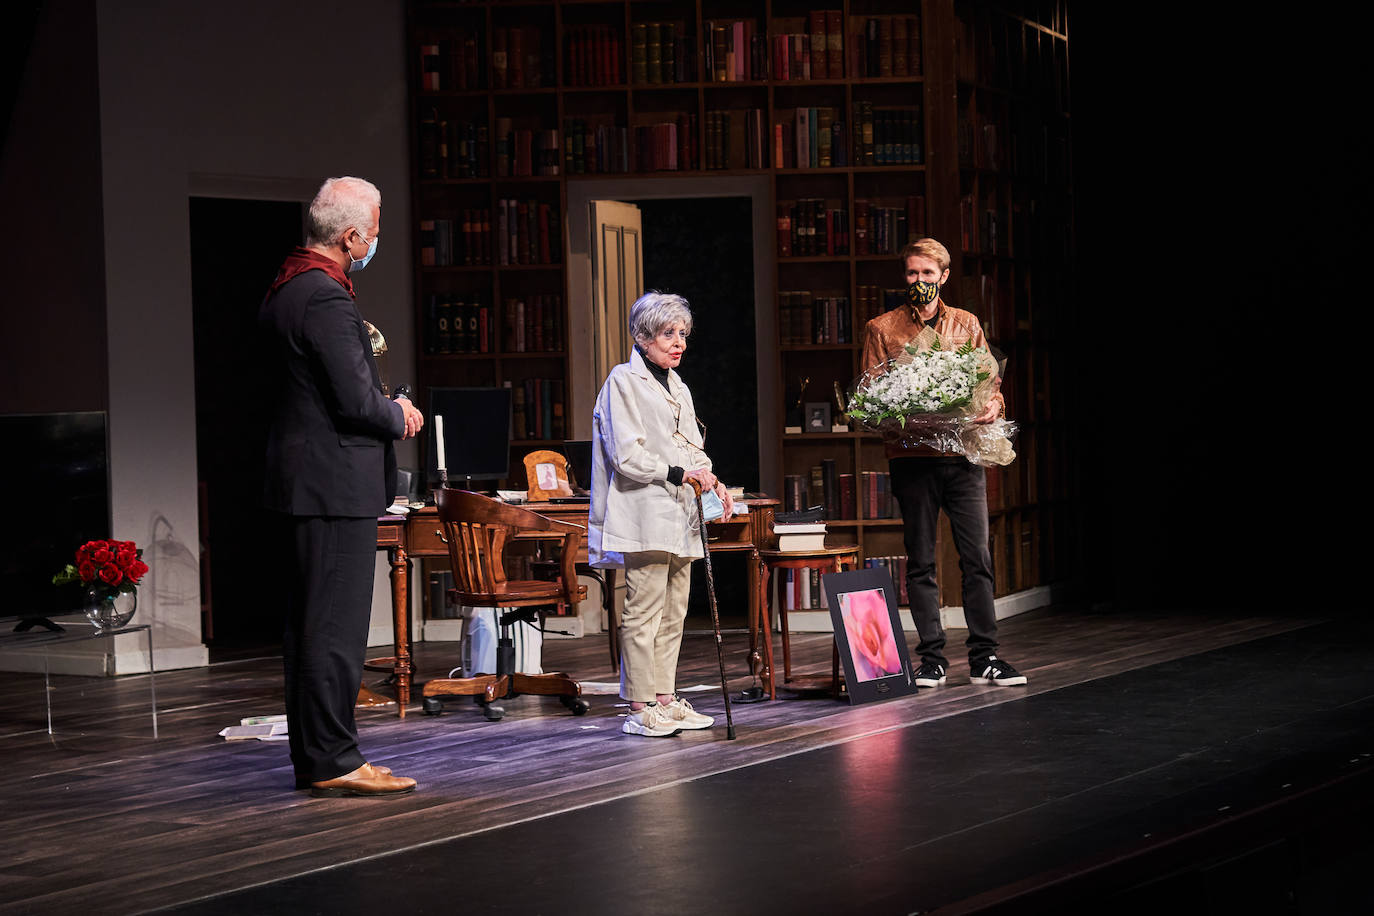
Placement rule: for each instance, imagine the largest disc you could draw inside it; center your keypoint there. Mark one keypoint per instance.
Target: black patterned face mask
(922, 293)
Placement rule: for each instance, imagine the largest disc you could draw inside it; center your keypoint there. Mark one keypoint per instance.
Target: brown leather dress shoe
(366, 781)
(304, 782)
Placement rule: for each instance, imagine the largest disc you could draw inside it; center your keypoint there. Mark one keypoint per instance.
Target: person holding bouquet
(926, 480)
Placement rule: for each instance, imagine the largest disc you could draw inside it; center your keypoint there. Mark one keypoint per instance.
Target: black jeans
(924, 486)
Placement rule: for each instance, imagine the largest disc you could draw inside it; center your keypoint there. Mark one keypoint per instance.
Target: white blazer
(639, 431)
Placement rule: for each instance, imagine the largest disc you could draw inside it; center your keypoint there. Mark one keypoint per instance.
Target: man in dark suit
(330, 472)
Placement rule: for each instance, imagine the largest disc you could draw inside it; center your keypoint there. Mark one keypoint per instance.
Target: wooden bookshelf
(940, 118)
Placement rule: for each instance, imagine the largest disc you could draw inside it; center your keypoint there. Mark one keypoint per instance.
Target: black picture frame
(817, 417)
(863, 603)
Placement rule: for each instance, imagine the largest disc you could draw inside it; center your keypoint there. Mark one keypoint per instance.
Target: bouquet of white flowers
(928, 395)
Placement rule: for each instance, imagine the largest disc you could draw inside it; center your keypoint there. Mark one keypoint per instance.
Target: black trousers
(924, 486)
(328, 584)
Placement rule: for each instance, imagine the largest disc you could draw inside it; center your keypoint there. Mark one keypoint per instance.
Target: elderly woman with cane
(648, 447)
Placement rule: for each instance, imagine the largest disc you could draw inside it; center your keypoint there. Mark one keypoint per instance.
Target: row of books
(451, 148)
(887, 136)
(593, 55)
(523, 151)
(811, 226)
(810, 48)
(451, 63)
(528, 232)
(977, 143)
(517, 59)
(842, 494)
(810, 138)
(735, 140)
(881, 228)
(533, 324)
(595, 148)
(896, 568)
(809, 318)
(661, 52)
(465, 323)
(450, 242)
(667, 146)
(457, 323)
(885, 46)
(801, 48)
(979, 227)
(735, 50)
(538, 408)
(871, 301)
(801, 590)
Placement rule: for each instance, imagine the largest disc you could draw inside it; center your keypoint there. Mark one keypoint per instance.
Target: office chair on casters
(477, 529)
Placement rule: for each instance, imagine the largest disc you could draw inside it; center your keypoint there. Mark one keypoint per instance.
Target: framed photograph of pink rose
(868, 632)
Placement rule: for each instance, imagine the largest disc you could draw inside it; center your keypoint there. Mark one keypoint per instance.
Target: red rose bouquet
(108, 568)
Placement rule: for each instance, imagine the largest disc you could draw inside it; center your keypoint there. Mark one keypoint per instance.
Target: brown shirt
(885, 336)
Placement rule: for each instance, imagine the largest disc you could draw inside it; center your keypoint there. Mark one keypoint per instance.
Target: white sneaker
(682, 713)
(651, 722)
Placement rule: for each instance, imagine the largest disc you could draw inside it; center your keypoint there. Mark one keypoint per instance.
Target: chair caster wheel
(493, 713)
(578, 705)
(432, 706)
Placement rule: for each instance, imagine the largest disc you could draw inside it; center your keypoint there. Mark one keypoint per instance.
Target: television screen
(476, 433)
(58, 461)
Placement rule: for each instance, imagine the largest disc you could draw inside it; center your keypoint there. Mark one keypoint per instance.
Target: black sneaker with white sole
(930, 675)
(996, 671)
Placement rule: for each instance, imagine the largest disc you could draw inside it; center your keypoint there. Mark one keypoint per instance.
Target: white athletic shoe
(650, 722)
(682, 713)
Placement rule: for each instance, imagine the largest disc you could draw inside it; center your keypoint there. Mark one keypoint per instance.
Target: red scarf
(303, 259)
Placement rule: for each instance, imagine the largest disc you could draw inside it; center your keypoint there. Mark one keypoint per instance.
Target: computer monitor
(579, 455)
(59, 460)
(476, 434)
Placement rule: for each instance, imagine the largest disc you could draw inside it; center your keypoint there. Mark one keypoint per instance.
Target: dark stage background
(703, 250)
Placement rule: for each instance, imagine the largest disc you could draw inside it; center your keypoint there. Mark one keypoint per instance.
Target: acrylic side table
(80, 632)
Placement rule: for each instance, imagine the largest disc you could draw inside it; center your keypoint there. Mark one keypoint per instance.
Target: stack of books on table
(800, 536)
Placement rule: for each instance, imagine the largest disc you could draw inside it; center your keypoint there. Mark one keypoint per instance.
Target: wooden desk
(419, 534)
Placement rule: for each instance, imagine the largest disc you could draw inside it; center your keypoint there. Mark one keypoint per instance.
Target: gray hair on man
(341, 204)
(654, 311)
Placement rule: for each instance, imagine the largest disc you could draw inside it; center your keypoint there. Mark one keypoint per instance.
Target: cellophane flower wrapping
(928, 395)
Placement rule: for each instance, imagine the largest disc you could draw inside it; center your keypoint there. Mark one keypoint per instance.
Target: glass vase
(109, 610)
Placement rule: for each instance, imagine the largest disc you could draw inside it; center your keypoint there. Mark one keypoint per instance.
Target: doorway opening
(702, 248)
(236, 248)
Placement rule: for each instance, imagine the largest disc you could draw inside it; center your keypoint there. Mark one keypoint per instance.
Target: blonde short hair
(927, 248)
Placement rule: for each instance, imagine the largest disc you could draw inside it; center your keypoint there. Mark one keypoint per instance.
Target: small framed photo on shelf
(817, 417)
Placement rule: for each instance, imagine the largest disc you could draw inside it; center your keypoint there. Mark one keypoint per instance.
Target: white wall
(259, 99)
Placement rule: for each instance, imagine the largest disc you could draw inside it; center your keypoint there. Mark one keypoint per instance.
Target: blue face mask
(357, 264)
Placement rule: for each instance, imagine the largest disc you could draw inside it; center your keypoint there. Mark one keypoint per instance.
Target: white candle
(439, 442)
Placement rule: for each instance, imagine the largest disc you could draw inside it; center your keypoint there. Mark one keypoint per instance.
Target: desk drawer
(426, 538)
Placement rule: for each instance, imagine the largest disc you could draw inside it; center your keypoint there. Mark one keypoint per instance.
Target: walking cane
(715, 614)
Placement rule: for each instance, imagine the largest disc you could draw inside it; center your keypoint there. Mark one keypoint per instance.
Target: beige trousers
(656, 588)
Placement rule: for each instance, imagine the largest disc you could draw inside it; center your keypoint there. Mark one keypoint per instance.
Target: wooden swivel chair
(477, 529)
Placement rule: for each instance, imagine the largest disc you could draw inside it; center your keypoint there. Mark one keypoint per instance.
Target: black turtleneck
(659, 373)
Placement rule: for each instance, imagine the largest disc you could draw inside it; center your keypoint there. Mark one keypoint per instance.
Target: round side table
(825, 559)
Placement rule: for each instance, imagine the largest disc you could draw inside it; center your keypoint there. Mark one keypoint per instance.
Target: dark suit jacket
(330, 451)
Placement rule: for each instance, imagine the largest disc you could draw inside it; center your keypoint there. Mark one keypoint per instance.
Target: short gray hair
(341, 204)
(654, 311)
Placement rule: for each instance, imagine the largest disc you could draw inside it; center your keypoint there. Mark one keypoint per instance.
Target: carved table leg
(400, 621)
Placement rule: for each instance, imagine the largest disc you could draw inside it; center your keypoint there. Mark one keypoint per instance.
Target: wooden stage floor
(101, 818)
